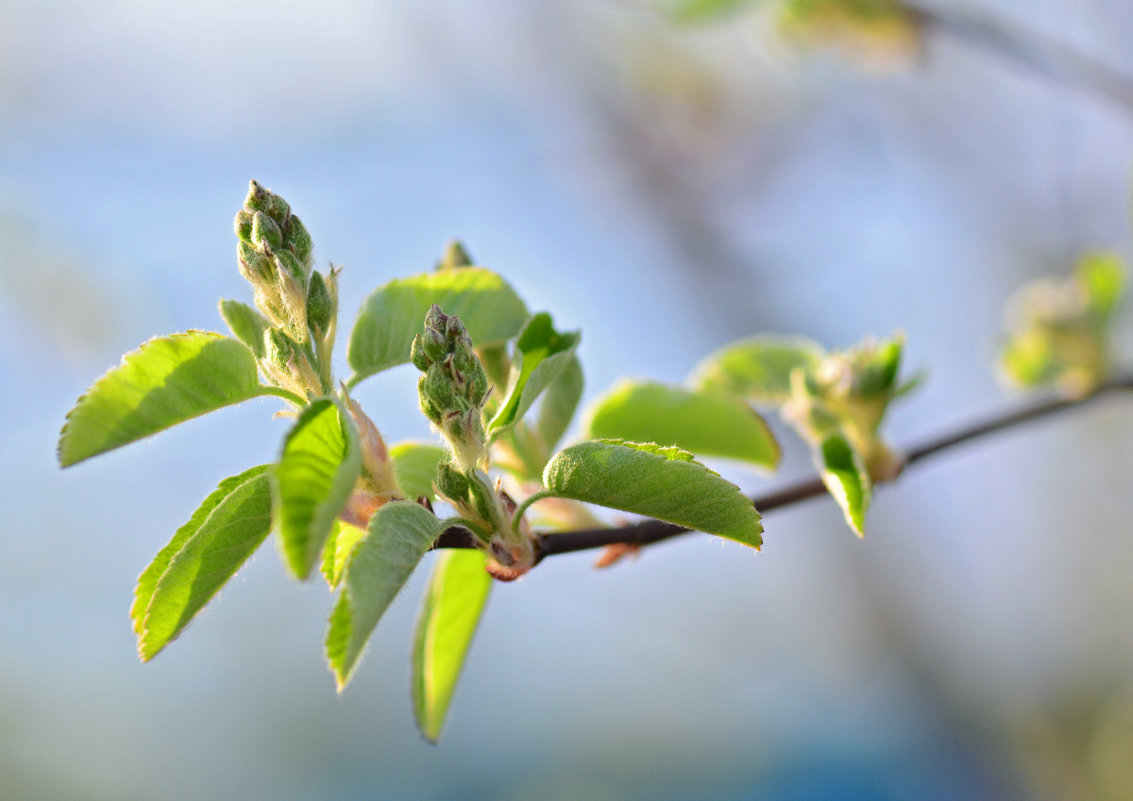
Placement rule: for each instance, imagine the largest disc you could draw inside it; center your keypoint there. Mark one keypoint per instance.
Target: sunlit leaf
(391, 316)
(758, 369)
(541, 354)
(164, 382)
(454, 601)
(204, 553)
(415, 466)
(846, 479)
(339, 546)
(705, 423)
(397, 537)
(246, 324)
(317, 471)
(665, 483)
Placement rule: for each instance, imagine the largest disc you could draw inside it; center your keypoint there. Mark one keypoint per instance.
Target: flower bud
(257, 197)
(320, 308)
(243, 225)
(254, 265)
(297, 239)
(455, 256)
(266, 234)
(451, 483)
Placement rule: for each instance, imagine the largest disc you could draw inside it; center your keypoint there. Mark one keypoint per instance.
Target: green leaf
(317, 471)
(665, 483)
(758, 368)
(705, 423)
(454, 602)
(415, 466)
(397, 537)
(541, 354)
(336, 553)
(246, 324)
(204, 553)
(164, 382)
(846, 479)
(391, 316)
(556, 409)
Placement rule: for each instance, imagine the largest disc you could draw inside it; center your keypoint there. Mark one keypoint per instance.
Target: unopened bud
(278, 347)
(243, 225)
(257, 197)
(319, 305)
(266, 233)
(278, 209)
(455, 256)
(297, 239)
(436, 385)
(254, 265)
(451, 483)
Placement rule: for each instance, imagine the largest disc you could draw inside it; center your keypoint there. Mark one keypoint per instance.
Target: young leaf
(415, 465)
(454, 602)
(398, 536)
(541, 353)
(529, 443)
(846, 479)
(560, 400)
(336, 553)
(758, 368)
(204, 553)
(246, 324)
(705, 423)
(317, 471)
(166, 381)
(391, 316)
(665, 483)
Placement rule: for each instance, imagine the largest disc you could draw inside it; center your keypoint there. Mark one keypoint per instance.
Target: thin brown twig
(1030, 51)
(649, 531)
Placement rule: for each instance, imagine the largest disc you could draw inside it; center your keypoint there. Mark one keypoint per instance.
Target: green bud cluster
(849, 392)
(288, 364)
(274, 255)
(454, 387)
(273, 252)
(1060, 330)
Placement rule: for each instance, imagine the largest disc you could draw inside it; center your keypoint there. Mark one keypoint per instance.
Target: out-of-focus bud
(455, 256)
(1060, 329)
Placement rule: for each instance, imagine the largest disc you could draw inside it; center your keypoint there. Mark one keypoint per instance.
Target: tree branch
(647, 532)
(1041, 56)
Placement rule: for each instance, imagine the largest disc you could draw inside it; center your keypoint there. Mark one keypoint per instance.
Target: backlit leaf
(317, 471)
(705, 423)
(164, 382)
(664, 483)
(204, 553)
(397, 537)
(758, 368)
(454, 601)
(391, 316)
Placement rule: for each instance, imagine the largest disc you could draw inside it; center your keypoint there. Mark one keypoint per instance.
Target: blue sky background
(666, 190)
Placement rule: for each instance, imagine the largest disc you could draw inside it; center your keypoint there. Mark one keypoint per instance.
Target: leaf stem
(280, 392)
(649, 531)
